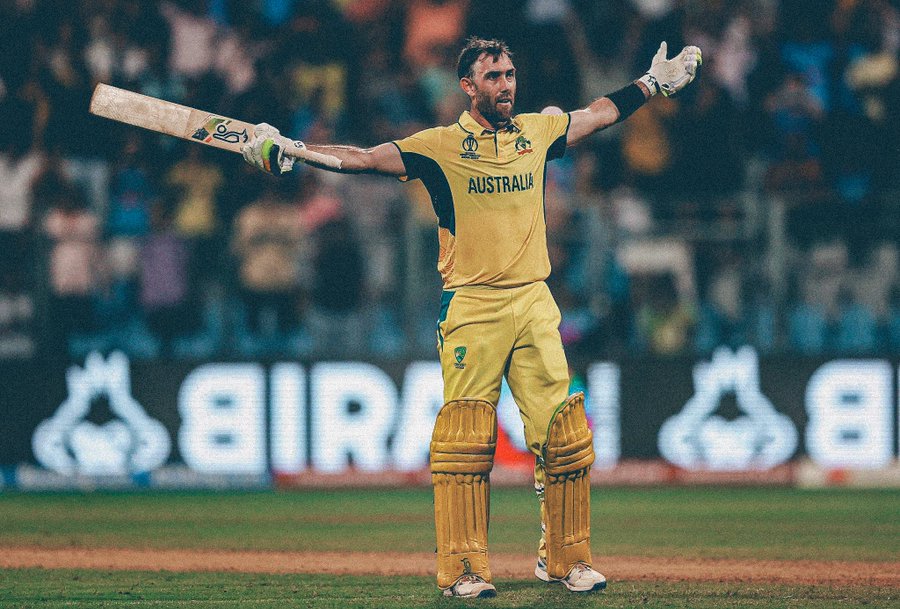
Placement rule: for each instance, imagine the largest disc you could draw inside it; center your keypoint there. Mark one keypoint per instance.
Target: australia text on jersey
(501, 184)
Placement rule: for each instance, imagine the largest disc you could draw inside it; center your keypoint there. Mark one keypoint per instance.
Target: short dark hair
(475, 46)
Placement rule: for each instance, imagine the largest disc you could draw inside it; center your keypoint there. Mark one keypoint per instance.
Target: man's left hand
(669, 76)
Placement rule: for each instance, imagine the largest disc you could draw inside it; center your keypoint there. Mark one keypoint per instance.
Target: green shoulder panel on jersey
(558, 147)
(446, 297)
(556, 151)
(419, 166)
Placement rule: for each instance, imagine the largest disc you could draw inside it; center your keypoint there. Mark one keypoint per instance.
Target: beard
(495, 115)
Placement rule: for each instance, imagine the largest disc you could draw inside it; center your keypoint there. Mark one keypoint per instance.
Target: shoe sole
(594, 588)
(542, 575)
(486, 593)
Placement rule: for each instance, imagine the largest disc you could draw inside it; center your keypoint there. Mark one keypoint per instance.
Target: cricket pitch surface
(509, 566)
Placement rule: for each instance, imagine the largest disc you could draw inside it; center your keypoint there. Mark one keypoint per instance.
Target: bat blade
(170, 118)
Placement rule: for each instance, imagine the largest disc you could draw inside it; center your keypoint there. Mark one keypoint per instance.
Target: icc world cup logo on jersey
(470, 146)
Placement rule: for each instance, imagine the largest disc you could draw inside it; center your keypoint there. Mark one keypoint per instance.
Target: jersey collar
(472, 126)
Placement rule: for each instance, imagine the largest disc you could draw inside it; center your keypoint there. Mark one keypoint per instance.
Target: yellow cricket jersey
(487, 189)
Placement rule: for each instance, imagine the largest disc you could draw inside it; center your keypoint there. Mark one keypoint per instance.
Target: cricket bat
(187, 123)
(169, 118)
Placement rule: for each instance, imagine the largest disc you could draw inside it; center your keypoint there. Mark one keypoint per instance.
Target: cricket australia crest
(460, 354)
(523, 145)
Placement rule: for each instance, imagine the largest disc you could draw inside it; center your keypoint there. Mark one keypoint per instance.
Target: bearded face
(492, 88)
(497, 108)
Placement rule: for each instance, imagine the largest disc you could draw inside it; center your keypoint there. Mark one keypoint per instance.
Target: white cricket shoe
(582, 578)
(471, 586)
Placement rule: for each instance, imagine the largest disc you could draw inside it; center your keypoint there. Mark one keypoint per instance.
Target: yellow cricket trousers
(486, 333)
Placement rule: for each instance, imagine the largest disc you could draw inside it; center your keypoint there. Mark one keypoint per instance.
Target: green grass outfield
(745, 523)
(126, 589)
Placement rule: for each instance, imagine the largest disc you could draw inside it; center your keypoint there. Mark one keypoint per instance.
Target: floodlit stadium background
(726, 262)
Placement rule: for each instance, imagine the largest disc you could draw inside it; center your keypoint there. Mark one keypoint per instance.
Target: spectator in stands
(197, 180)
(816, 87)
(664, 323)
(761, 316)
(66, 82)
(17, 314)
(315, 48)
(74, 257)
(707, 145)
(379, 213)
(267, 243)
(797, 172)
(336, 298)
(21, 165)
(431, 27)
(721, 318)
(807, 327)
(164, 289)
(647, 151)
(856, 329)
(193, 35)
(132, 191)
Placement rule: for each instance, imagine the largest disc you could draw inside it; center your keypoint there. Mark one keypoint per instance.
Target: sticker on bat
(232, 137)
(212, 122)
(216, 127)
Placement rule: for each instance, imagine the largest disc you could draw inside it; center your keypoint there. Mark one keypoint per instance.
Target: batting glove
(265, 150)
(669, 76)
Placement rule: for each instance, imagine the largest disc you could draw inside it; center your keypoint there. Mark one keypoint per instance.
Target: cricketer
(485, 175)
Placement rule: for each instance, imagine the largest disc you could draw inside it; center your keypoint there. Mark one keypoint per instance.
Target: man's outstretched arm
(666, 76)
(273, 153)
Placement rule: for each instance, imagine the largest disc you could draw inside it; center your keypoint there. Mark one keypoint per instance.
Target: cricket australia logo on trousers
(460, 354)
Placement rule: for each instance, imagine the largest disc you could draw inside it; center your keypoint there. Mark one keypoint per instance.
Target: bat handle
(301, 152)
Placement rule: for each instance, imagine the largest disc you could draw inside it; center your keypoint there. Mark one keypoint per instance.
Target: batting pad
(462, 455)
(568, 455)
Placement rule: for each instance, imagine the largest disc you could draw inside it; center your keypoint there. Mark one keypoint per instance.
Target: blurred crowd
(759, 207)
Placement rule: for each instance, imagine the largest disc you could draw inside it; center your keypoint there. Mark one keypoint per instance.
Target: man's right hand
(265, 150)
(669, 76)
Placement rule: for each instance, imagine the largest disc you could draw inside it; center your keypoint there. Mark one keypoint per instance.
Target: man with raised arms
(486, 174)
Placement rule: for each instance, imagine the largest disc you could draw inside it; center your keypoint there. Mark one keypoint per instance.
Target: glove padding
(669, 76)
(265, 150)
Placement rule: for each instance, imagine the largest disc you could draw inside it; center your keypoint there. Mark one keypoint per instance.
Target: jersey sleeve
(419, 152)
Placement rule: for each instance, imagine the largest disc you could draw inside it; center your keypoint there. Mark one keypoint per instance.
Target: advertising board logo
(130, 443)
(698, 438)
